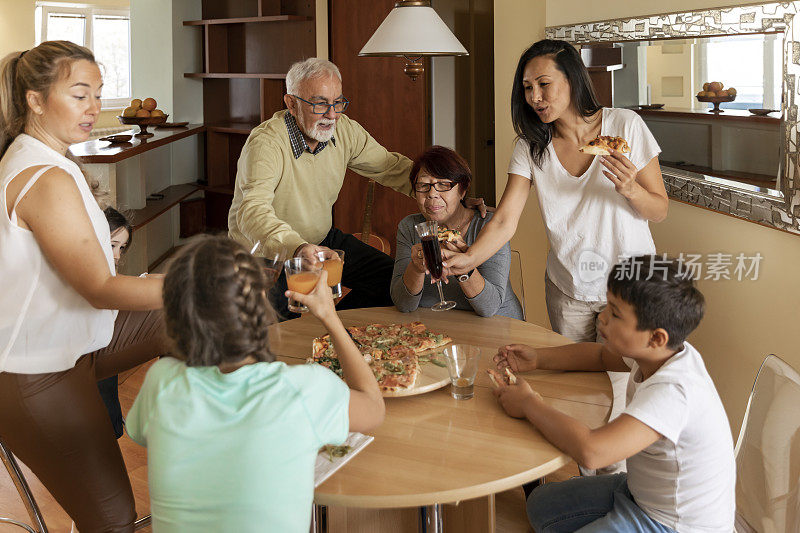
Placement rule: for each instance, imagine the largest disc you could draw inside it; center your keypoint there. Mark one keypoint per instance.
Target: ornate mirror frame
(781, 211)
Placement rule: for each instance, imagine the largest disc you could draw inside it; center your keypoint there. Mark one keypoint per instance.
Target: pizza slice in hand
(448, 235)
(601, 144)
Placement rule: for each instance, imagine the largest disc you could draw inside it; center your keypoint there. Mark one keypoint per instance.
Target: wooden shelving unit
(172, 196)
(229, 75)
(243, 20)
(249, 46)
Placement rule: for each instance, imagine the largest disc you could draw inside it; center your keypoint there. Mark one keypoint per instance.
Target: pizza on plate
(601, 144)
(391, 350)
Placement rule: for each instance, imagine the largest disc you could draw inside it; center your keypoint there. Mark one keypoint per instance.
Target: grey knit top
(497, 296)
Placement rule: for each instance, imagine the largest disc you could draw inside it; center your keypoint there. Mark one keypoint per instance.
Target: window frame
(43, 9)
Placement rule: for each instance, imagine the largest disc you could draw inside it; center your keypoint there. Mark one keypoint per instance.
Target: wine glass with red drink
(428, 232)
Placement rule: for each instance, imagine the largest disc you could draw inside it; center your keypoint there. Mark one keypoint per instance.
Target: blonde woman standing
(60, 288)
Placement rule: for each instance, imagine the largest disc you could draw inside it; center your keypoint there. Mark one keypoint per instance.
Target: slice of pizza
(601, 144)
(448, 235)
(419, 337)
(397, 375)
(322, 353)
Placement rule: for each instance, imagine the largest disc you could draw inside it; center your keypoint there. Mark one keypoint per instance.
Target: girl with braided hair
(232, 434)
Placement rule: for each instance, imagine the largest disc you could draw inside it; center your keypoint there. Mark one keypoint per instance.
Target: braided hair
(215, 303)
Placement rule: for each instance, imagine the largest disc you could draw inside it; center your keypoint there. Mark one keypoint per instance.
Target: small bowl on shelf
(651, 106)
(117, 139)
(716, 100)
(143, 123)
(763, 112)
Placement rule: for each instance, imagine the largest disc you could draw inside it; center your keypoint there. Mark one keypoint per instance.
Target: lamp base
(413, 69)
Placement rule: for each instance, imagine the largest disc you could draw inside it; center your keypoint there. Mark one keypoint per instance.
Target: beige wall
(17, 32)
(516, 26)
(744, 320)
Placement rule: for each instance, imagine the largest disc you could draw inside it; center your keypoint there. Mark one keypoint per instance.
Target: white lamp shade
(413, 31)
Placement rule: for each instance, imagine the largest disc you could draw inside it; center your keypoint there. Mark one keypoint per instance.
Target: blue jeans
(589, 504)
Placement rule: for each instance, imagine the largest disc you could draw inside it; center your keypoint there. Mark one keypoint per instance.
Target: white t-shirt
(588, 223)
(45, 325)
(686, 479)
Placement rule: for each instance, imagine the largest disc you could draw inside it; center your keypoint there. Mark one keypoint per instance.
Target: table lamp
(413, 30)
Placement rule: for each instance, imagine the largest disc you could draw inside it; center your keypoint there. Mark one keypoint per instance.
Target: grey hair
(312, 67)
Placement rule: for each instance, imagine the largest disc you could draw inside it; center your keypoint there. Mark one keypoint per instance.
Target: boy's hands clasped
(513, 394)
(517, 357)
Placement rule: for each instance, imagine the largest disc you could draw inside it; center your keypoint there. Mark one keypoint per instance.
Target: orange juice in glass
(333, 263)
(301, 276)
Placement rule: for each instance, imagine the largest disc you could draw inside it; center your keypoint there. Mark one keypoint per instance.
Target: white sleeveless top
(45, 325)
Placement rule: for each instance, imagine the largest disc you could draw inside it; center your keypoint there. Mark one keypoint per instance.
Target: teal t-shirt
(236, 451)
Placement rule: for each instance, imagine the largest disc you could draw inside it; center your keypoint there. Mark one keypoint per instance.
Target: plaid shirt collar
(297, 140)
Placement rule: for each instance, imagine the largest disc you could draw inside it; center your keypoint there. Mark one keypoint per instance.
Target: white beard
(320, 135)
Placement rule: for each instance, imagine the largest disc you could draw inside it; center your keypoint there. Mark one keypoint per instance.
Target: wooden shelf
(97, 151)
(605, 68)
(236, 128)
(153, 208)
(219, 189)
(245, 20)
(740, 115)
(229, 75)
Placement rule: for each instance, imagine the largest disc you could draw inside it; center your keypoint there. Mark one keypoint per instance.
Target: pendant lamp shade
(413, 30)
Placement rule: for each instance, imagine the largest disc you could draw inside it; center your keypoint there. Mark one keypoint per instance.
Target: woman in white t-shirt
(60, 289)
(594, 208)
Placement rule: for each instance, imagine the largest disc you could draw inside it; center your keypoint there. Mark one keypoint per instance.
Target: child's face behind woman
(119, 243)
(547, 89)
(68, 114)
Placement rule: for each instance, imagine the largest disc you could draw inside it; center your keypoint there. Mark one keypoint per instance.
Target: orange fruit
(129, 112)
(136, 103)
(149, 104)
(143, 113)
(156, 113)
(715, 86)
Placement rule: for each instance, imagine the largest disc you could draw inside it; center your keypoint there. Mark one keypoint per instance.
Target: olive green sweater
(285, 202)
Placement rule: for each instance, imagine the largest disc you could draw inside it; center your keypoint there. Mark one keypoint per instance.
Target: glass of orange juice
(333, 262)
(301, 276)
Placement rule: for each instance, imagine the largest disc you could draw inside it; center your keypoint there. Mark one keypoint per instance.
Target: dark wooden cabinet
(393, 109)
(248, 46)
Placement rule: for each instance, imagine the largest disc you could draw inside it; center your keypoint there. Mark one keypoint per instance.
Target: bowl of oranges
(715, 93)
(143, 113)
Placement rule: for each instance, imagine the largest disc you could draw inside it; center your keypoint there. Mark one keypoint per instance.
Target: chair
(24, 490)
(517, 280)
(768, 452)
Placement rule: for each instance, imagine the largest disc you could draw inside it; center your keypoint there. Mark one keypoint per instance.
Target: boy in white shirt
(673, 433)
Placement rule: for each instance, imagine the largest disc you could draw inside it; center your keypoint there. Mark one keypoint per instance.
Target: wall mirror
(716, 153)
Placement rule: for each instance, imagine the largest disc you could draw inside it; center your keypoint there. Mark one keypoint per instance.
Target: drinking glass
(333, 262)
(301, 276)
(273, 263)
(462, 365)
(428, 232)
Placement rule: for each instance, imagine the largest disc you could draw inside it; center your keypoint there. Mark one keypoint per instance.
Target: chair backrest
(768, 452)
(517, 280)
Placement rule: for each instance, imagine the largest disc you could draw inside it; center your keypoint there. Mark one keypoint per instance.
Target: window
(104, 31)
(751, 64)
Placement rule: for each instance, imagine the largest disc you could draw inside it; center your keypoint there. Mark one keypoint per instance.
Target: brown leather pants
(58, 426)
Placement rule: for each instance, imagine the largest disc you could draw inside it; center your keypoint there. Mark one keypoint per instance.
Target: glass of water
(462, 364)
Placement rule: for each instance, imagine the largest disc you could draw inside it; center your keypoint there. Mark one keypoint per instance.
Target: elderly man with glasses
(290, 172)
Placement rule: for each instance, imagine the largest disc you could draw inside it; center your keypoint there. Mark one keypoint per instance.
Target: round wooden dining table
(433, 449)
